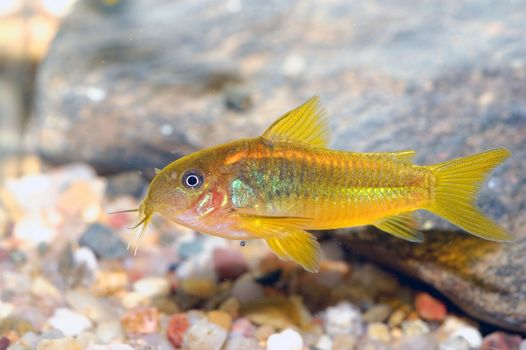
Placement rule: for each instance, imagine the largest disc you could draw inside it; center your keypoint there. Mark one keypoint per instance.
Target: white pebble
(69, 322)
(324, 343)
(109, 347)
(470, 334)
(523, 345)
(108, 331)
(455, 343)
(204, 335)
(286, 340)
(344, 318)
(152, 286)
(415, 327)
(85, 256)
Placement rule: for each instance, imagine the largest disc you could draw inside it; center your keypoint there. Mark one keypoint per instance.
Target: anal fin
(403, 225)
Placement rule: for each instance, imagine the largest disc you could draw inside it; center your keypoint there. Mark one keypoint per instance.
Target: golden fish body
(276, 186)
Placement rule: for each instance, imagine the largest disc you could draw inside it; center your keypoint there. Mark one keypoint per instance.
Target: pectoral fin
(286, 238)
(402, 225)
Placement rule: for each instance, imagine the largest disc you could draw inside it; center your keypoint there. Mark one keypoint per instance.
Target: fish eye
(193, 179)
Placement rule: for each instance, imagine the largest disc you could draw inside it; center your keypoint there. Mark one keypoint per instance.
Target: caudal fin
(457, 183)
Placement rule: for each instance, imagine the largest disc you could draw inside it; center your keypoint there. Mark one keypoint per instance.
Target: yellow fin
(403, 225)
(305, 124)
(457, 183)
(286, 238)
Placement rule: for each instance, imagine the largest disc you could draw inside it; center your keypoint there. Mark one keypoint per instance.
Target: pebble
(69, 322)
(245, 289)
(241, 343)
(415, 327)
(324, 342)
(470, 334)
(397, 317)
(108, 331)
(332, 273)
(523, 345)
(177, 326)
(125, 183)
(377, 313)
(59, 344)
(343, 341)
(229, 263)
(220, 318)
(263, 332)
(231, 306)
(502, 341)
(204, 335)
(286, 340)
(103, 242)
(41, 287)
(242, 326)
(90, 305)
(141, 321)
(199, 287)
(343, 318)
(378, 331)
(84, 256)
(455, 343)
(109, 347)
(4, 343)
(418, 342)
(430, 308)
(108, 282)
(152, 286)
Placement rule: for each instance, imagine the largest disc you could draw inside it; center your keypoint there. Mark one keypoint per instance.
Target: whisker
(138, 224)
(141, 235)
(123, 211)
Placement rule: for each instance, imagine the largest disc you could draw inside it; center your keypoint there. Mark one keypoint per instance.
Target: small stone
(231, 306)
(109, 347)
(332, 273)
(343, 318)
(324, 343)
(110, 282)
(152, 286)
(397, 317)
(103, 242)
(89, 305)
(286, 340)
(4, 343)
(277, 312)
(204, 335)
(177, 326)
(523, 345)
(43, 288)
(242, 326)
(343, 341)
(263, 332)
(430, 308)
(59, 344)
(454, 343)
(85, 256)
(69, 322)
(199, 287)
(470, 334)
(245, 289)
(377, 313)
(241, 343)
(108, 331)
(141, 321)
(418, 342)
(379, 331)
(501, 341)
(229, 263)
(165, 305)
(220, 318)
(415, 327)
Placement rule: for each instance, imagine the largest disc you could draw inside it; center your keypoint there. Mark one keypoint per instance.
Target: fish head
(187, 190)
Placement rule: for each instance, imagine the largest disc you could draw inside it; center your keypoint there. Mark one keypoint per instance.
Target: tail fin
(457, 183)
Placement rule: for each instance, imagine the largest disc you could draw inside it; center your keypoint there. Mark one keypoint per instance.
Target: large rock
(136, 85)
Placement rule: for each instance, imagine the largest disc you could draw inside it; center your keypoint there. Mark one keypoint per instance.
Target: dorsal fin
(305, 124)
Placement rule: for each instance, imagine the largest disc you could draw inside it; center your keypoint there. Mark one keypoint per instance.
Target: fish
(286, 182)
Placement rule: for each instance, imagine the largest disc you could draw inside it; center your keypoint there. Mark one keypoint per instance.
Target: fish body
(276, 186)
